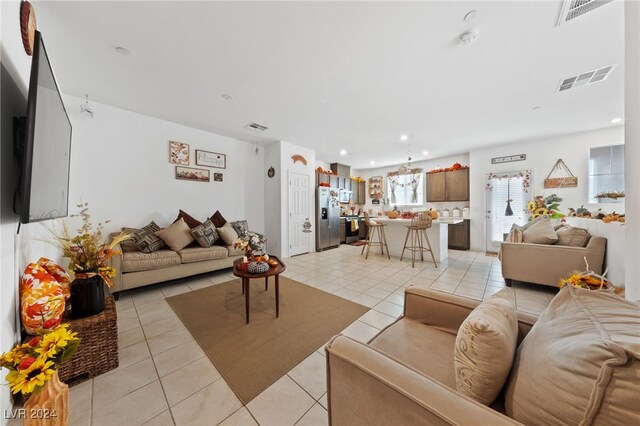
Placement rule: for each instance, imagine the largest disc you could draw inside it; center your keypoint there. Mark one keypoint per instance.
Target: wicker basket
(98, 349)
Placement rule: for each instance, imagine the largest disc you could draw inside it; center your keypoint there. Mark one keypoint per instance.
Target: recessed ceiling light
(425, 152)
(227, 97)
(404, 137)
(343, 152)
(122, 50)
(372, 162)
(616, 120)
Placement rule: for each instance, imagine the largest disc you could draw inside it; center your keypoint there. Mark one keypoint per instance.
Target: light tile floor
(164, 378)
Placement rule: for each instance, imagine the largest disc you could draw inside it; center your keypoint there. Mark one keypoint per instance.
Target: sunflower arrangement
(587, 280)
(88, 250)
(545, 206)
(34, 363)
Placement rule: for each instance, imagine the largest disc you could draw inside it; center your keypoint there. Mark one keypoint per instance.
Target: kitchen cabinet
(362, 193)
(363, 229)
(344, 175)
(460, 235)
(448, 186)
(354, 191)
(436, 187)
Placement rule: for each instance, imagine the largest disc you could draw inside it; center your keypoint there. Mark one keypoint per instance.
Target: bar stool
(418, 233)
(374, 229)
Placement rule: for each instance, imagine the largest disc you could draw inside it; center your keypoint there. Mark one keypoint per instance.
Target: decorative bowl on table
(272, 263)
(258, 267)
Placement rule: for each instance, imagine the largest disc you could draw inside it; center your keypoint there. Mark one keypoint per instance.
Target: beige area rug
(253, 356)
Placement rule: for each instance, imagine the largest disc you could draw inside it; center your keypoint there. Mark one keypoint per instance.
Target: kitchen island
(396, 232)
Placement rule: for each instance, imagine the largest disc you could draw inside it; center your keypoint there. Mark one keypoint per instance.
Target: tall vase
(87, 295)
(50, 407)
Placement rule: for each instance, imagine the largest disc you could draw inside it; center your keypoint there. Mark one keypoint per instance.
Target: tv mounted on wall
(44, 149)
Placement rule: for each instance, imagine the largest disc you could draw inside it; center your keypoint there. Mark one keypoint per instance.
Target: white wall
(120, 166)
(426, 165)
(541, 156)
(632, 148)
(272, 197)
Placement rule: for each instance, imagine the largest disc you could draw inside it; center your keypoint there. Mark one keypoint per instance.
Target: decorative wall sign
(28, 26)
(189, 173)
(271, 172)
(566, 181)
(508, 159)
(217, 177)
(178, 153)
(300, 158)
(211, 159)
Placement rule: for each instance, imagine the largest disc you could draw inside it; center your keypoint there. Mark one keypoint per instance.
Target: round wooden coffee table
(246, 277)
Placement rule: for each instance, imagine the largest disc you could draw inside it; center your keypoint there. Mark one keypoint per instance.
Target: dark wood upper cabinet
(458, 185)
(362, 192)
(448, 186)
(436, 187)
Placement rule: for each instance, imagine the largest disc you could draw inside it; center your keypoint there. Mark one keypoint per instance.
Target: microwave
(344, 196)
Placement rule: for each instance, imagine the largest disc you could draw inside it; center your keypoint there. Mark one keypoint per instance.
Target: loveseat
(186, 247)
(578, 363)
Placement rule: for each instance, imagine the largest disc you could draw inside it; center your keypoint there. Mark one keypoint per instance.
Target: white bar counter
(396, 232)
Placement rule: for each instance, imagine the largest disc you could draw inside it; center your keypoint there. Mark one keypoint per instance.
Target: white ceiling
(354, 76)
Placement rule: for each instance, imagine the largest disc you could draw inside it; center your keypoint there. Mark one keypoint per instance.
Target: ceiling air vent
(257, 127)
(573, 8)
(585, 78)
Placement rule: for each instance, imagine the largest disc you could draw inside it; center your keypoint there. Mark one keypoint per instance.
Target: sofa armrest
(367, 387)
(437, 309)
(547, 264)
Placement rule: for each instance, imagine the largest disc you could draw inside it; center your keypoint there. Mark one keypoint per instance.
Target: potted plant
(89, 253)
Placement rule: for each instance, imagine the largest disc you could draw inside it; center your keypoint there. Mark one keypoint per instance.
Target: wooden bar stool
(374, 229)
(417, 231)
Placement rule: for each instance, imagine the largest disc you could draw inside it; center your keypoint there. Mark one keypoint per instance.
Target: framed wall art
(178, 153)
(189, 173)
(217, 177)
(211, 159)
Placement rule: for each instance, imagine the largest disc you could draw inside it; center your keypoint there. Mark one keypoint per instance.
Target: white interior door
(298, 213)
(512, 186)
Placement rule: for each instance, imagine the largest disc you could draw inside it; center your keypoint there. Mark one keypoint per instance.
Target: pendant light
(508, 211)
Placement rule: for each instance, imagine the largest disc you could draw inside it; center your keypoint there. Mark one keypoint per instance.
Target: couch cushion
(146, 240)
(129, 245)
(571, 236)
(424, 348)
(485, 346)
(197, 254)
(235, 251)
(580, 363)
(188, 219)
(541, 232)
(177, 235)
(139, 261)
(205, 234)
(217, 219)
(228, 234)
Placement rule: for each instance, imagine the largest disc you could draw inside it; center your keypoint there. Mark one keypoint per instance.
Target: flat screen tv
(45, 153)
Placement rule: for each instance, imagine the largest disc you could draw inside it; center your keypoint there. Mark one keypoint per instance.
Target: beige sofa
(405, 375)
(548, 264)
(136, 269)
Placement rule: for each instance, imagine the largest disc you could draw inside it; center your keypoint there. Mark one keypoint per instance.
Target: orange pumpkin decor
(42, 296)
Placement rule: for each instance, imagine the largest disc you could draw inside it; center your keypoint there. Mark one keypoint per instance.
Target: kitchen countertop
(448, 221)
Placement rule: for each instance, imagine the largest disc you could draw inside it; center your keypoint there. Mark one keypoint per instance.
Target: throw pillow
(579, 364)
(190, 221)
(217, 219)
(145, 239)
(177, 235)
(205, 234)
(129, 245)
(484, 348)
(541, 232)
(241, 227)
(570, 236)
(515, 235)
(227, 233)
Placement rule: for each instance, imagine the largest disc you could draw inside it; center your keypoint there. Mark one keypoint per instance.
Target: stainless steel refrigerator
(327, 218)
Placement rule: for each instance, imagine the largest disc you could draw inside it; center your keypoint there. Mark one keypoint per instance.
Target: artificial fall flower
(15, 356)
(26, 363)
(37, 374)
(55, 340)
(34, 342)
